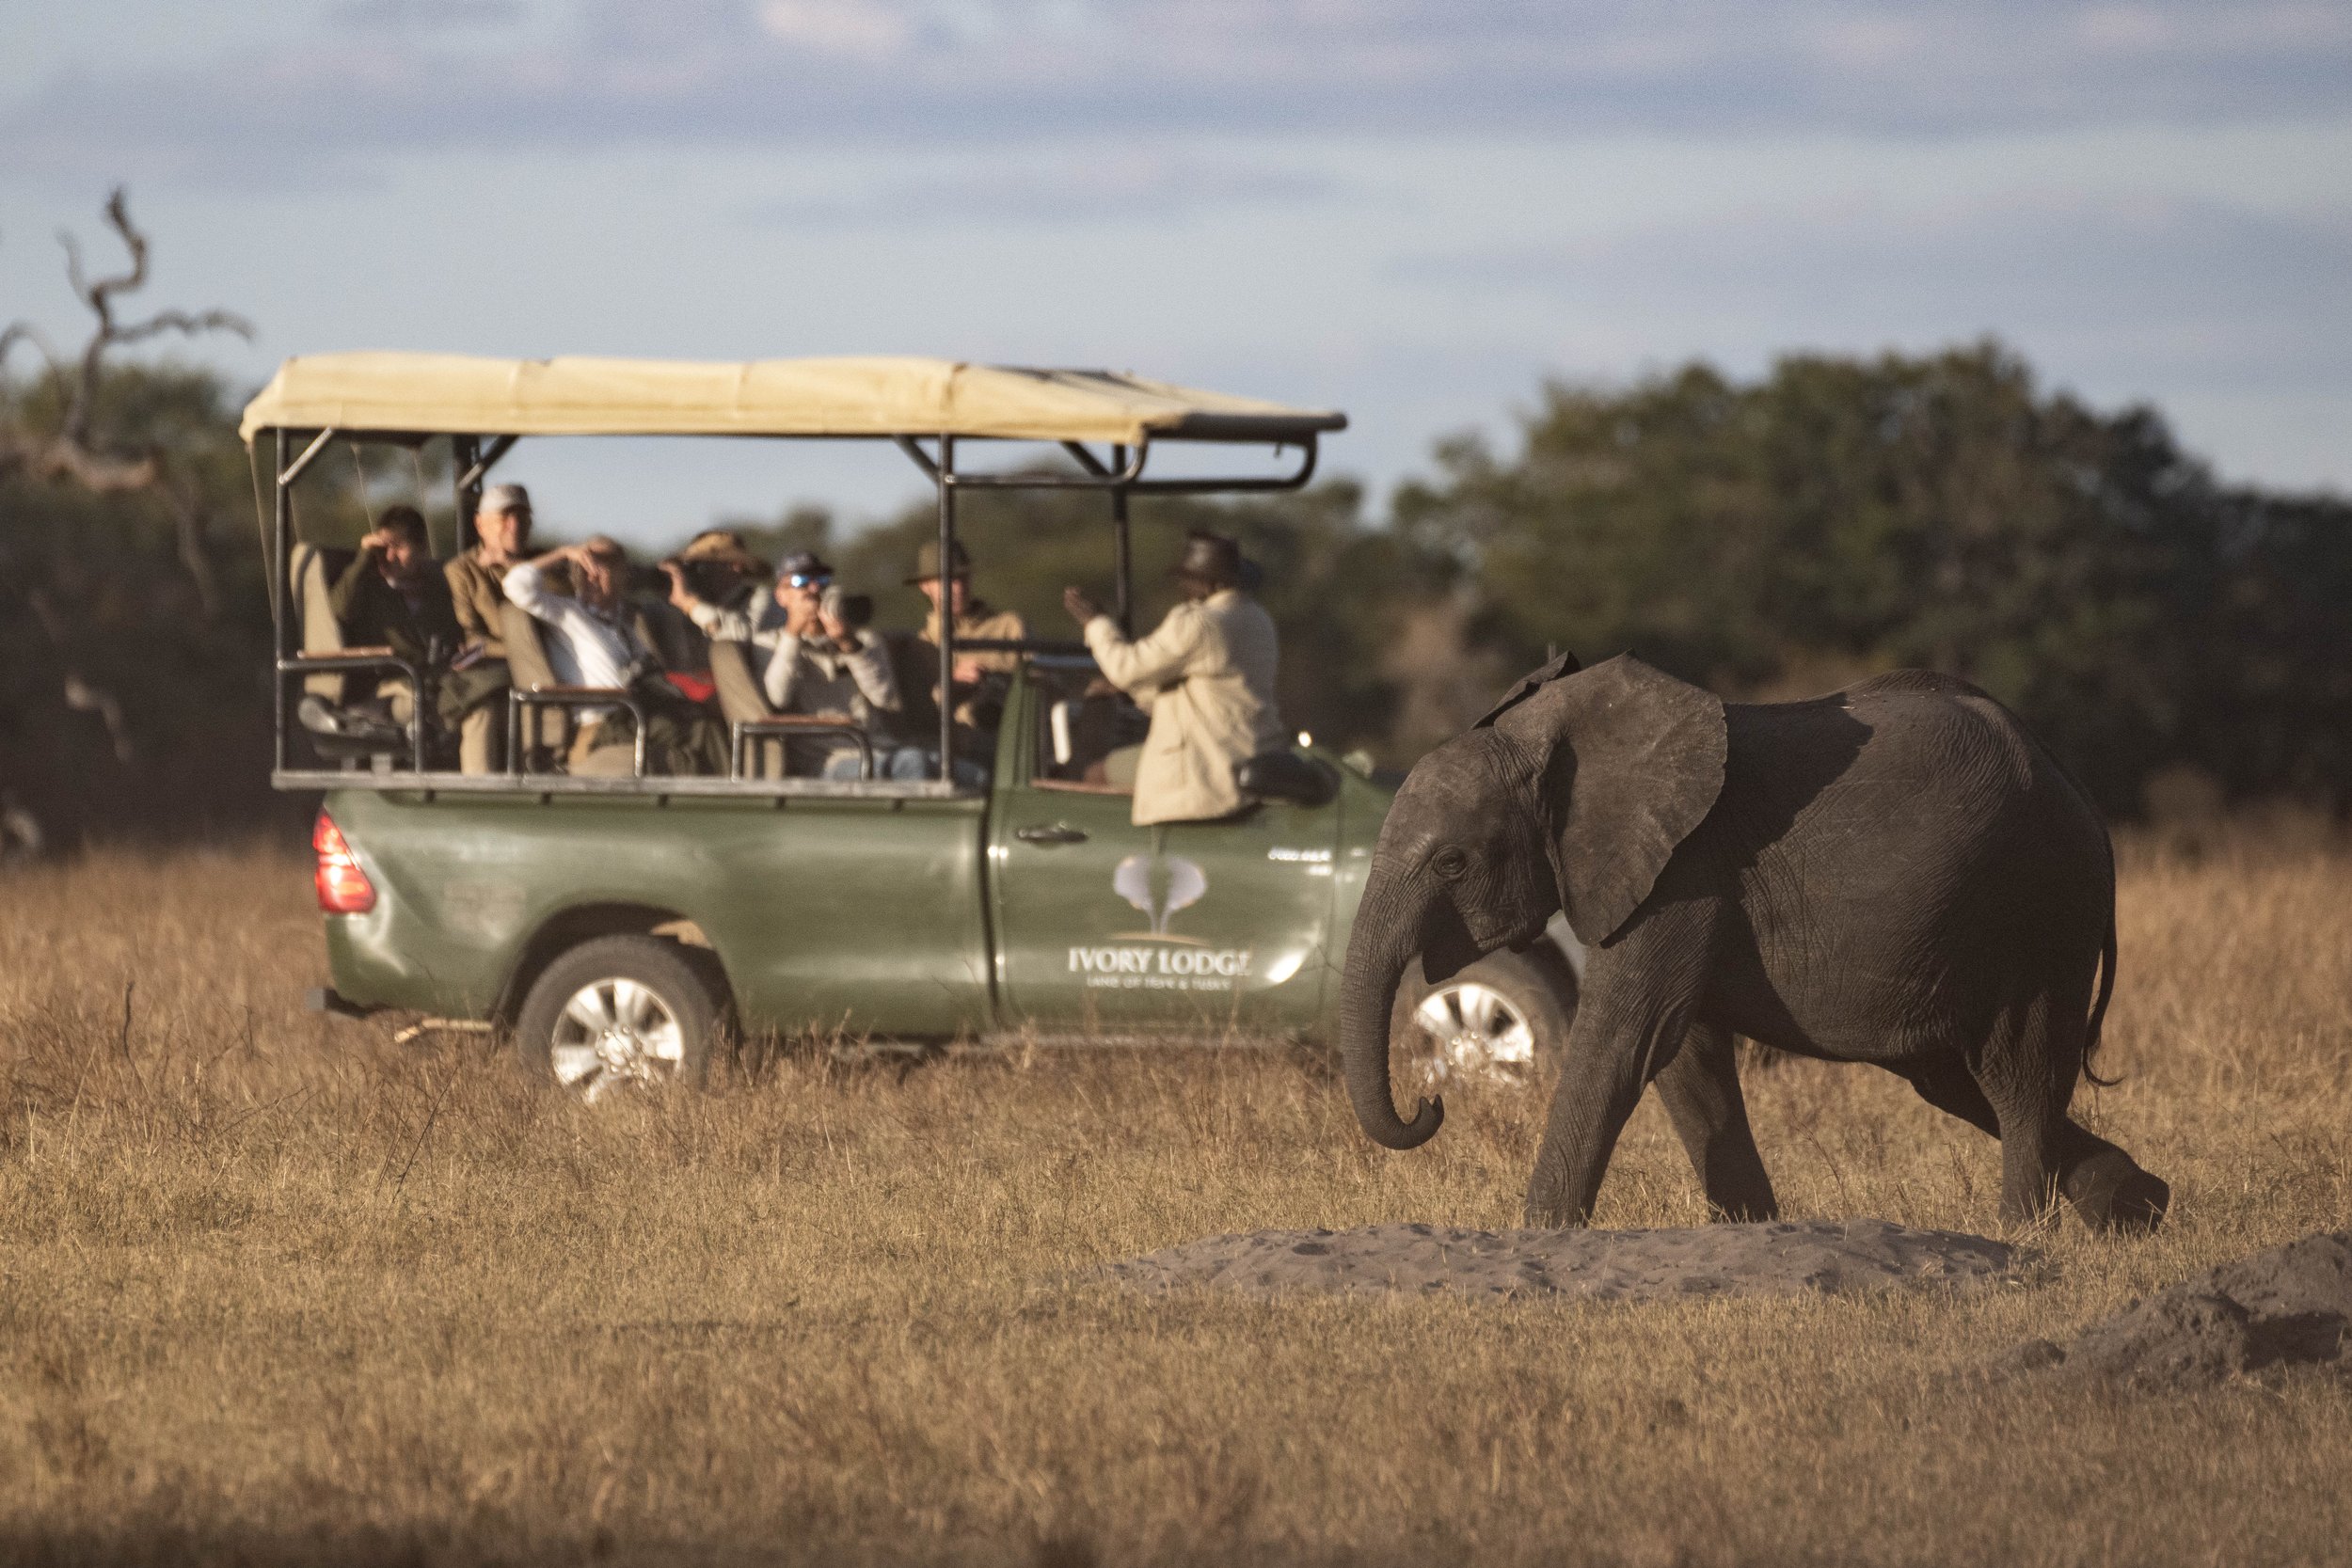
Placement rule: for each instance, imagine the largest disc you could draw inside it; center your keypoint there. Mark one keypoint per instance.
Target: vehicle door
(1109, 928)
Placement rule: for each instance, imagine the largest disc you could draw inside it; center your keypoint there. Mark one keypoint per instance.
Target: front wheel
(617, 1014)
(1500, 1019)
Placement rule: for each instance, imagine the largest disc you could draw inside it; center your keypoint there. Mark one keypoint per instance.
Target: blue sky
(1413, 210)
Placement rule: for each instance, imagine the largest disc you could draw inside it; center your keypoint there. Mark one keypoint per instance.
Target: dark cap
(926, 563)
(1210, 558)
(803, 564)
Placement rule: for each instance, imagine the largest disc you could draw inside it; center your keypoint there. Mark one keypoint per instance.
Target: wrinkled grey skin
(1895, 874)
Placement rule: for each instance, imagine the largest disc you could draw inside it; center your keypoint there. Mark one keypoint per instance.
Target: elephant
(1897, 873)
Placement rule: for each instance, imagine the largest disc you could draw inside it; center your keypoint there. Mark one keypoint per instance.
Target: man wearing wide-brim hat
(974, 619)
(1205, 675)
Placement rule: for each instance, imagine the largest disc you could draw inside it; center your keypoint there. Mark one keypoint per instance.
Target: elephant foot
(1544, 1214)
(2111, 1192)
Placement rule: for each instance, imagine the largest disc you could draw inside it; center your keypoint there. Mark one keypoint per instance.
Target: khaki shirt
(1207, 676)
(475, 587)
(980, 619)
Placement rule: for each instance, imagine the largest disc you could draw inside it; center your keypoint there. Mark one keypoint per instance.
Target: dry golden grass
(277, 1291)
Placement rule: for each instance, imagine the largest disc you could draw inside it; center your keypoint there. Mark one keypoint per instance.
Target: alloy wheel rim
(1475, 1032)
(615, 1035)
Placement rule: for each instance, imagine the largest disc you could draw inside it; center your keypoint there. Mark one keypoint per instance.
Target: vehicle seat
(915, 665)
(337, 730)
(742, 700)
(547, 733)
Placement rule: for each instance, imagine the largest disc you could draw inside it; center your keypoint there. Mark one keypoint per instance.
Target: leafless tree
(60, 436)
(73, 450)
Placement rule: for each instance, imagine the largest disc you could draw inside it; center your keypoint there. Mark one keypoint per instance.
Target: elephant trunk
(1382, 944)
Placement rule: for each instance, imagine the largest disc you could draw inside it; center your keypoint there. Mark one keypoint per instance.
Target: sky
(1415, 211)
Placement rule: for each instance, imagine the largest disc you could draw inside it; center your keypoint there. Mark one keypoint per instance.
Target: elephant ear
(1628, 761)
(1561, 664)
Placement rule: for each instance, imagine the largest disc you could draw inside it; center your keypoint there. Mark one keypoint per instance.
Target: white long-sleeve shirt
(588, 646)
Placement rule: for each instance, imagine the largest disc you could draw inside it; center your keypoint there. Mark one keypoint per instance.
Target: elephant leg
(1700, 1089)
(2106, 1187)
(1638, 1002)
(1947, 1085)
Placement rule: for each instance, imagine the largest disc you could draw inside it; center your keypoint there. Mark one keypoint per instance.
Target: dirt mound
(2288, 1307)
(1829, 1256)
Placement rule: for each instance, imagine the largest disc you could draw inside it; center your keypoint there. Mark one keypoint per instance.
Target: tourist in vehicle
(1205, 675)
(472, 694)
(818, 660)
(592, 640)
(391, 596)
(974, 619)
(502, 539)
(719, 570)
(824, 664)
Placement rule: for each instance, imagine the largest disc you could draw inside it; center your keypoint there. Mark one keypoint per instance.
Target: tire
(617, 1014)
(1502, 1020)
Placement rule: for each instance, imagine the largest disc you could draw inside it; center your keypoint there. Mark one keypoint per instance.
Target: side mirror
(1287, 776)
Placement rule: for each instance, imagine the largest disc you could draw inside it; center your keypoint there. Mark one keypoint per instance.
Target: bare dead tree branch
(81, 696)
(69, 454)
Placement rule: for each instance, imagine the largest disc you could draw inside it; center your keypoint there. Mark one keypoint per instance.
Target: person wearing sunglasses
(818, 661)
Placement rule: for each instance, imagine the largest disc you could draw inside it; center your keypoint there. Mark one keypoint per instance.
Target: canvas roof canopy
(426, 394)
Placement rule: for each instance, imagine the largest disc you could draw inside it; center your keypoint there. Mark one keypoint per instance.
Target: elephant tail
(2099, 1007)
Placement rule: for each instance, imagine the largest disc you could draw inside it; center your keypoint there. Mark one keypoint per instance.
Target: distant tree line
(1773, 539)
(1768, 539)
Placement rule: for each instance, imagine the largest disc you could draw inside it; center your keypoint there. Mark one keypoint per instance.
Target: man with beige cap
(473, 693)
(502, 533)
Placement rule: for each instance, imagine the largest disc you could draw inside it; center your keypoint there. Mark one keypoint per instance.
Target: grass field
(274, 1289)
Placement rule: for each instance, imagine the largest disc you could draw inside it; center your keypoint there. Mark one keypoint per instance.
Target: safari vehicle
(616, 921)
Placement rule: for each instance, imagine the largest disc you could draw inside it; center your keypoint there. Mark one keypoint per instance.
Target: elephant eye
(1450, 864)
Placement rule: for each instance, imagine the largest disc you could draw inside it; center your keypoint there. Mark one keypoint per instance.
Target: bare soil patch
(2290, 1306)
(1783, 1258)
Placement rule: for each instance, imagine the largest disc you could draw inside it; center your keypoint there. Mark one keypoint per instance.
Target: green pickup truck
(618, 923)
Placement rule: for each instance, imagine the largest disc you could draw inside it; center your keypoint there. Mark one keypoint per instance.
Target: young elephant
(1896, 874)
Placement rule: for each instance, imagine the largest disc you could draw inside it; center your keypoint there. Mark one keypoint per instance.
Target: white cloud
(622, 72)
(856, 29)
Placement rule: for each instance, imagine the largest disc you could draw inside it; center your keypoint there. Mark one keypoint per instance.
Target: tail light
(343, 888)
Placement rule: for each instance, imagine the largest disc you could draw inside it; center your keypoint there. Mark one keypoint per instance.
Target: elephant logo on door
(1159, 885)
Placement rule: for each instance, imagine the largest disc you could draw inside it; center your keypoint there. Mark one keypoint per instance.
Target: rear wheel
(619, 1014)
(1500, 1020)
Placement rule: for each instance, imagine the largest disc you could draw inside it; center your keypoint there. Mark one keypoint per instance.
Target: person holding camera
(822, 659)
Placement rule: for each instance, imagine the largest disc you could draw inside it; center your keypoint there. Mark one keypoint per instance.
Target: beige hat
(723, 547)
(926, 563)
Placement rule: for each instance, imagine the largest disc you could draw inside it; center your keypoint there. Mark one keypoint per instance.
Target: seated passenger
(591, 642)
(817, 663)
(502, 535)
(472, 697)
(1206, 678)
(719, 570)
(392, 596)
(974, 618)
(823, 664)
